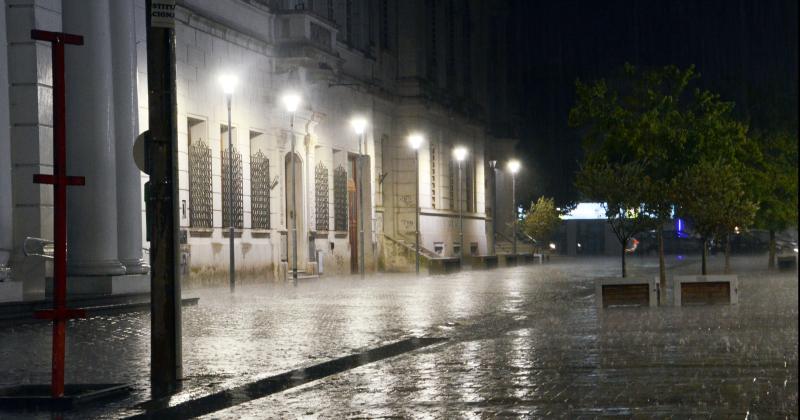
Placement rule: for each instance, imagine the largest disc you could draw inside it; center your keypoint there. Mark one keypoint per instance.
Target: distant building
(406, 66)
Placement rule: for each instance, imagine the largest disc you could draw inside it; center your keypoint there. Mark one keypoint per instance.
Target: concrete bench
(787, 262)
(509, 260)
(444, 265)
(706, 290)
(627, 291)
(484, 262)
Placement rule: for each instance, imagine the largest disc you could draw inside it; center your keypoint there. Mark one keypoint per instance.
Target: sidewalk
(530, 333)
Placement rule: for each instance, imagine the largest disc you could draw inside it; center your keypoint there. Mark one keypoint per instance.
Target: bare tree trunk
(705, 256)
(662, 269)
(624, 271)
(727, 254)
(771, 264)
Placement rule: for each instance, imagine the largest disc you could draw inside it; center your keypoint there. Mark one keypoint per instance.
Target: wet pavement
(524, 341)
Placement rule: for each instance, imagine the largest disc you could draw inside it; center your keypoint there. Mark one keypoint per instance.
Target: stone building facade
(406, 66)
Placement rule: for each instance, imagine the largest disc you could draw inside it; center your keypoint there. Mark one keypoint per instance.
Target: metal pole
(460, 219)
(294, 207)
(166, 369)
(232, 267)
(494, 206)
(60, 180)
(514, 211)
(361, 204)
(416, 209)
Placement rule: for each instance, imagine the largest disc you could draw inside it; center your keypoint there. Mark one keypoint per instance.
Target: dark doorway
(352, 201)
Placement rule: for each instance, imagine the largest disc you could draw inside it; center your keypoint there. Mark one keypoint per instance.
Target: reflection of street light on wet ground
(291, 101)
(513, 167)
(359, 125)
(415, 141)
(229, 83)
(460, 153)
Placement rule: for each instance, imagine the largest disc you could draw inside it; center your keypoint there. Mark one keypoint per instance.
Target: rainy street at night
(521, 341)
(363, 209)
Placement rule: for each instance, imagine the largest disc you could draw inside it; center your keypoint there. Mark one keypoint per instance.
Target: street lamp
(513, 167)
(415, 141)
(228, 83)
(291, 101)
(493, 166)
(359, 126)
(460, 153)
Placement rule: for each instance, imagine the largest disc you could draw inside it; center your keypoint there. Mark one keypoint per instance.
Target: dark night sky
(745, 50)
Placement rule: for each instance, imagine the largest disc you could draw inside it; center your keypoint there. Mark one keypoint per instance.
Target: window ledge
(201, 232)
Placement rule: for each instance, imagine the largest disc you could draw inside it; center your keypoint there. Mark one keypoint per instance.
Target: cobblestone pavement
(524, 342)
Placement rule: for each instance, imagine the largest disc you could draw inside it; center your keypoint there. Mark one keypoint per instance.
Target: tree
(622, 189)
(778, 192)
(542, 219)
(712, 194)
(653, 117)
(642, 118)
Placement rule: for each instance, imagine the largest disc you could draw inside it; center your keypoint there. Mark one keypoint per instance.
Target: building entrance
(292, 214)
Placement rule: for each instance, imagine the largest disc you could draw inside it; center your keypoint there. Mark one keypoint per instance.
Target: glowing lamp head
(460, 153)
(415, 141)
(291, 101)
(228, 83)
(359, 125)
(513, 166)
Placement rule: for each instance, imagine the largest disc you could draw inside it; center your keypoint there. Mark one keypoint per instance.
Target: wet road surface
(524, 341)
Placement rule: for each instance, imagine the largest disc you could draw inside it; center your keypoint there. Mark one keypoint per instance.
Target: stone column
(92, 209)
(126, 128)
(31, 140)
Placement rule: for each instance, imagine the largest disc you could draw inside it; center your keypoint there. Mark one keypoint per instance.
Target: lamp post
(291, 101)
(228, 83)
(415, 141)
(493, 166)
(513, 167)
(359, 125)
(460, 153)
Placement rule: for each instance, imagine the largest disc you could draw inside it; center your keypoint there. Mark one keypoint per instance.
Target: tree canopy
(542, 220)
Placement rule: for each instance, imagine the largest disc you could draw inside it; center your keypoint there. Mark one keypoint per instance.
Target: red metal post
(59, 314)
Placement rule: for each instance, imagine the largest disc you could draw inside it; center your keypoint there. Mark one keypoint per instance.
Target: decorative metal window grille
(321, 185)
(238, 217)
(433, 175)
(259, 191)
(201, 213)
(340, 198)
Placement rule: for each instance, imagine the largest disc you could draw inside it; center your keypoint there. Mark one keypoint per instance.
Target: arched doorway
(290, 213)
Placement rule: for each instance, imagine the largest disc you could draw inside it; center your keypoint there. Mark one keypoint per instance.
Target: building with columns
(406, 66)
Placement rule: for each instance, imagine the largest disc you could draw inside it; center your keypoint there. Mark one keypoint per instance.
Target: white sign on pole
(162, 14)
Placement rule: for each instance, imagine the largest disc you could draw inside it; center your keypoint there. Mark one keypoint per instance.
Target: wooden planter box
(629, 291)
(706, 290)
